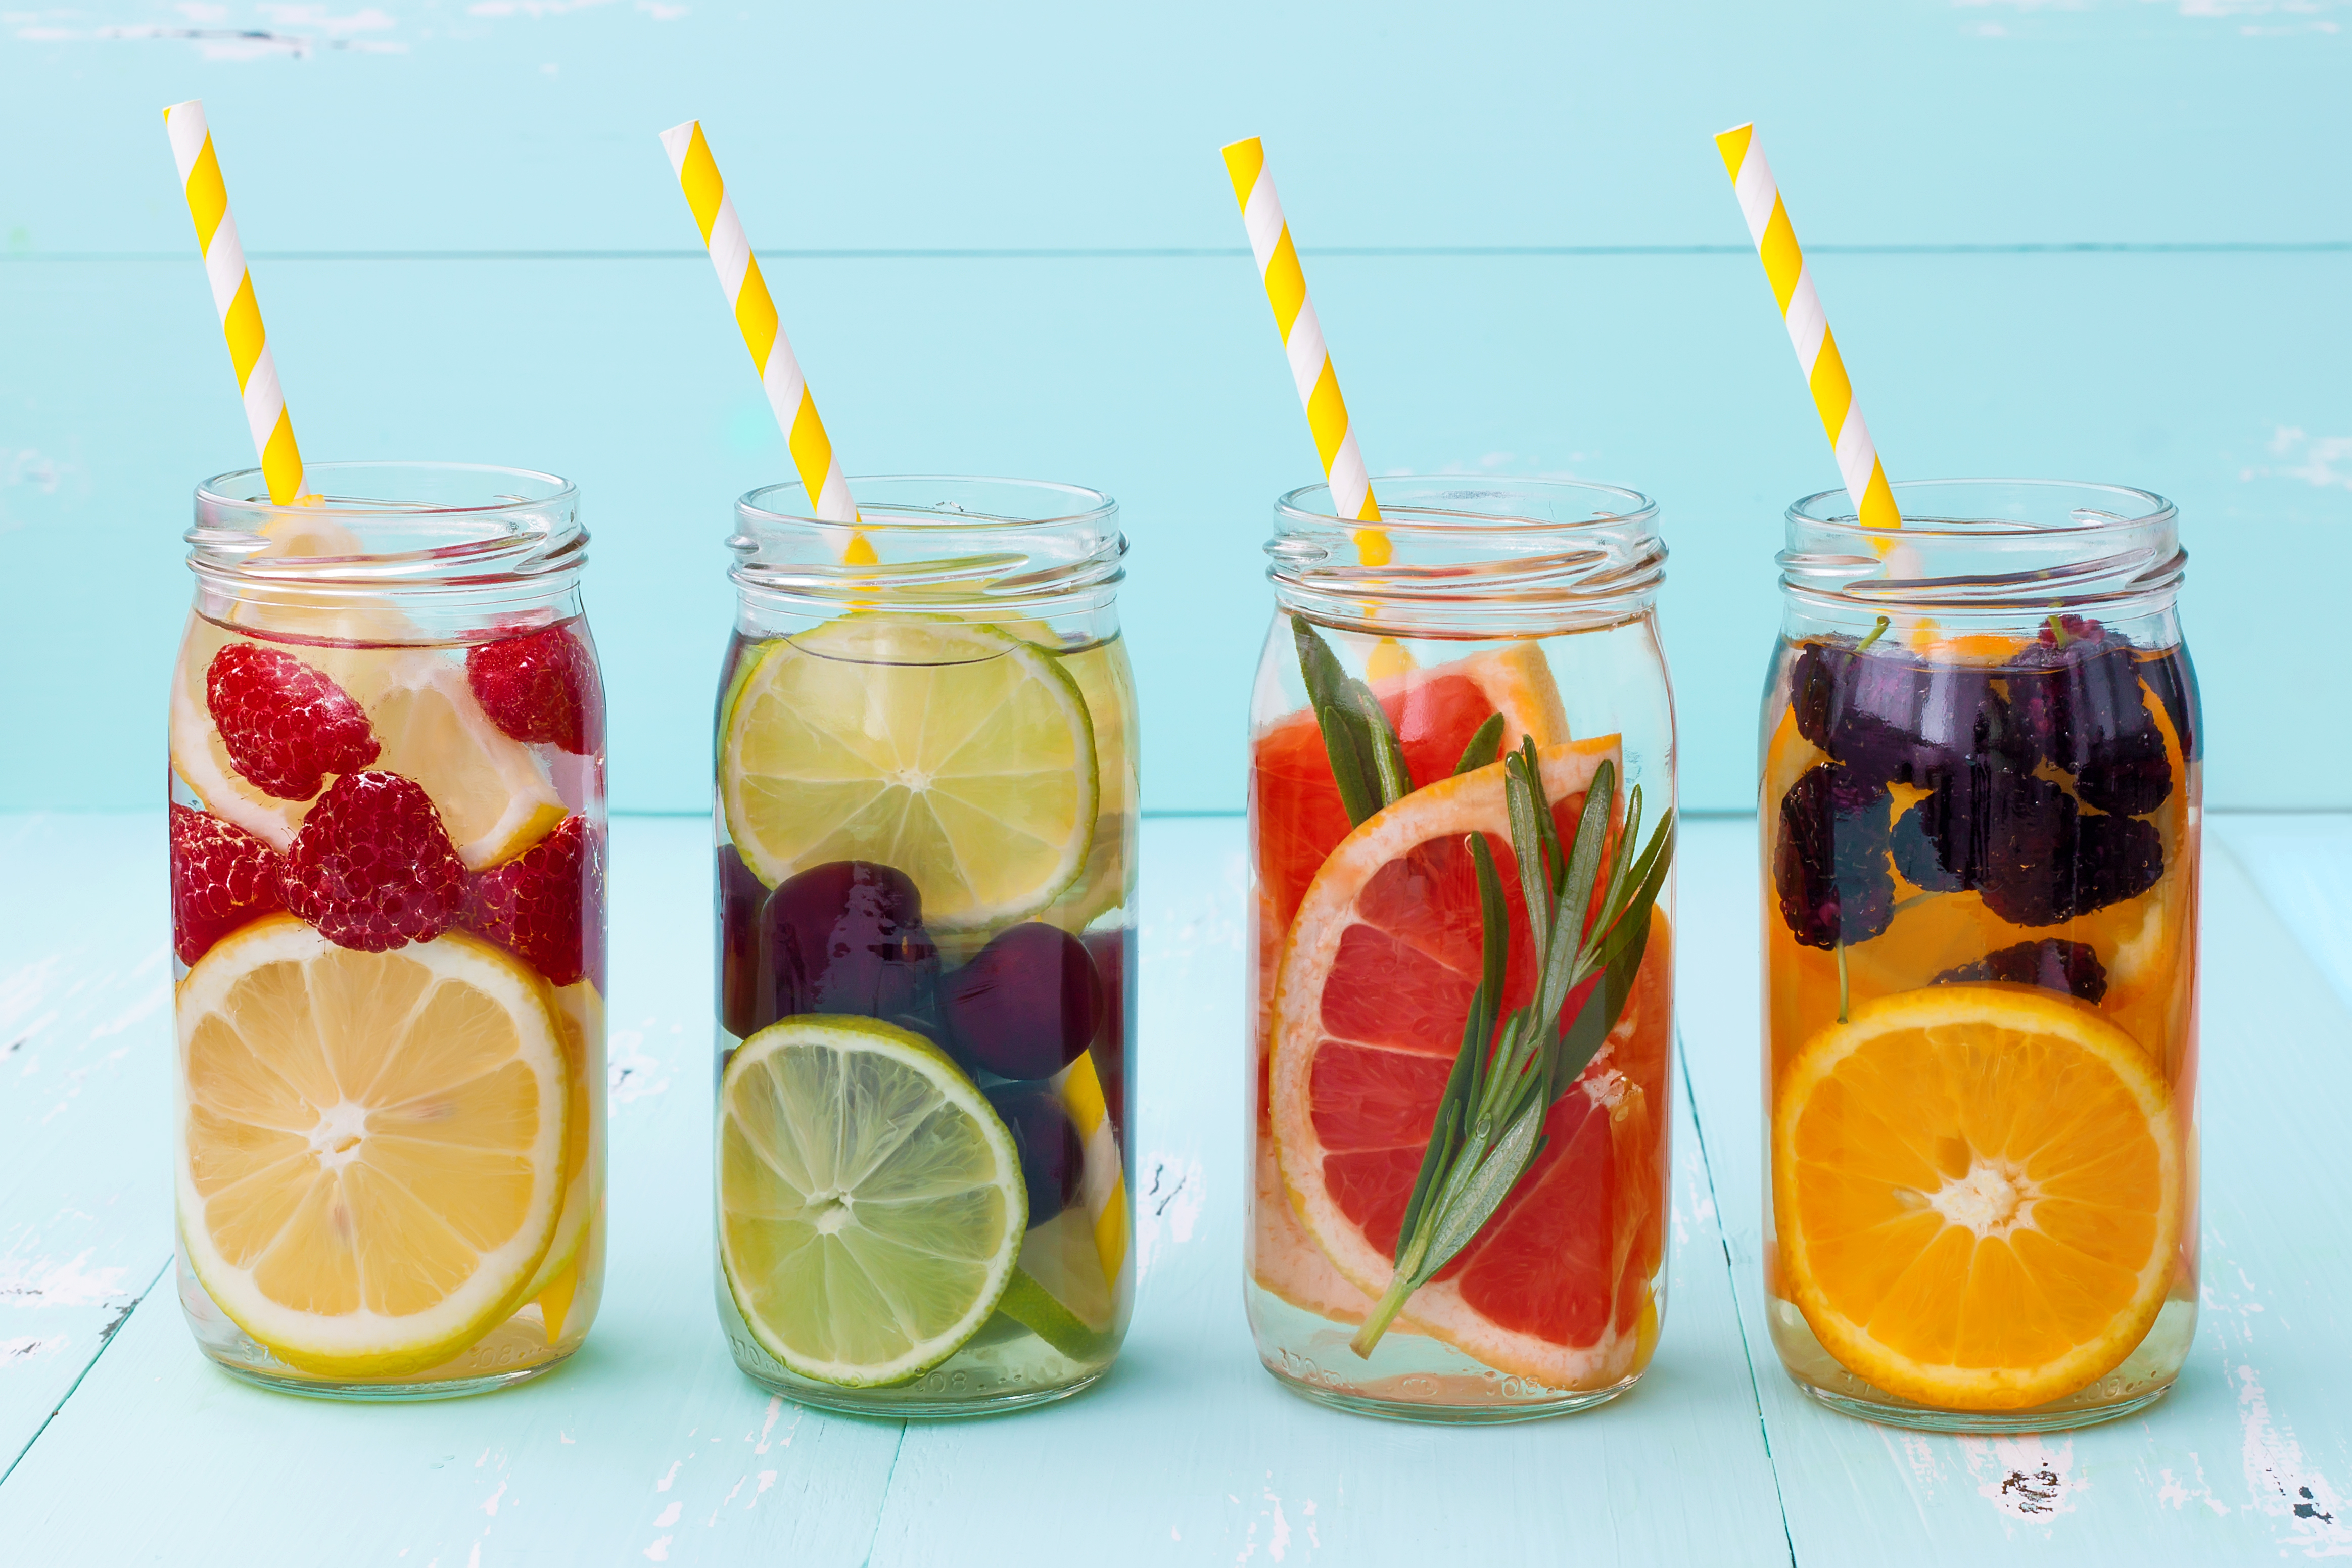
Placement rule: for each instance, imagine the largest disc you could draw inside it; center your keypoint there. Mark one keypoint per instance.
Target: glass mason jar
(1494, 617)
(1979, 810)
(926, 822)
(387, 857)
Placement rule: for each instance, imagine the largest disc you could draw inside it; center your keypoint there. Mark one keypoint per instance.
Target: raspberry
(547, 905)
(541, 687)
(372, 867)
(222, 877)
(285, 724)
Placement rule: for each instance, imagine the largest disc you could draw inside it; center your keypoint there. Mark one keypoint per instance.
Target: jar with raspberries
(926, 821)
(387, 903)
(1979, 814)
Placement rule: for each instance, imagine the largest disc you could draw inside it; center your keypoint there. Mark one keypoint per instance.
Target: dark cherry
(1830, 863)
(1028, 1005)
(740, 894)
(1053, 1155)
(2072, 967)
(846, 937)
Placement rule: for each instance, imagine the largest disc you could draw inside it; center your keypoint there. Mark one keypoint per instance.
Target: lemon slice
(870, 1202)
(201, 761)
(372, 1153)
(959, 755)
(493, 793)
(580, 1026)
(1979, 1194)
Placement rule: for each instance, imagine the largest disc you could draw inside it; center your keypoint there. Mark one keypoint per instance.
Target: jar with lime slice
(926, 822)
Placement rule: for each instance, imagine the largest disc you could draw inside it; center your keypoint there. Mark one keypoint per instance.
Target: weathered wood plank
(1190, 1453)
(648, 1444)
(2250, 1456)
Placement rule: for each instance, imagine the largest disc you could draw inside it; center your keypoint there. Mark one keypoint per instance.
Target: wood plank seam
(105, 1338)
(1731, 1268)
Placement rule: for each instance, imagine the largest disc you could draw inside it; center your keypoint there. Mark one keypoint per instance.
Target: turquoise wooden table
(120, 1444)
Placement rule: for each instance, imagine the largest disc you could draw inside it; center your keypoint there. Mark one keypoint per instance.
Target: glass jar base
(913, 1402)
(380, 1393)
(1989, 1423)
(1428, 1414)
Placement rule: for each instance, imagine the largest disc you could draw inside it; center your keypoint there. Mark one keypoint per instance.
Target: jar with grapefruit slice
(1461, 795)
(1980, 779)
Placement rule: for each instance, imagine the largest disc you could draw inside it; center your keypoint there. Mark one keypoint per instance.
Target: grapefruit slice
(1367, 1016)
(1297, 819)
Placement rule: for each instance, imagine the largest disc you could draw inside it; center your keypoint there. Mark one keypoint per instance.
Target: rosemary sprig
(1366, 758)
(1504, 1078)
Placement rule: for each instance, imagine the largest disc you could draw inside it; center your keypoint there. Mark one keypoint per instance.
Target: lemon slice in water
(372, 1153)
(960, 756)
(870, 1202)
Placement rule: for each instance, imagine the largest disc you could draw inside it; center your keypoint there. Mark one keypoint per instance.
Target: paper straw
(241, 316)
(764, 332)
(1302, 340)
(1809, 330)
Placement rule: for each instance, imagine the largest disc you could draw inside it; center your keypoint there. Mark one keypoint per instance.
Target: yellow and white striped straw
(241, 316)
(763, 332)
(1302, 340)
(1809, 330)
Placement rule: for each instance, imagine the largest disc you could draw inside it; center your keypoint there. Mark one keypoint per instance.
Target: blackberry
(2028, 845)
(2127, 774)
(2072, 967)
(1916, 856)
(2066, 700)
(2174, 682)
(1829, 863)
(2117, 858)
(1894, 718)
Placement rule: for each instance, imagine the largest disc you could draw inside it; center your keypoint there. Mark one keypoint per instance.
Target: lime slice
(372, 1160)
(1059, 1292)
(959, 755)
(870, 1203)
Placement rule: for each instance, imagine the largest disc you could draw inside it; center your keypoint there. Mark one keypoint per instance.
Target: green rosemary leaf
(1629, 835)
(1603, 1006)
(1477, 1199)
(1545, 828)
(1350, 748)
(1592, 831)
(1367, 762)
(1435, 1159)
(1387, 751)
(1523, 802)
(1485, 745)
(1494, 920)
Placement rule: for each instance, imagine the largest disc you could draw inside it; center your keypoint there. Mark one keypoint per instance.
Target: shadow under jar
(926, 821)
(387, 861)
(1487, 624)
(1980, 821)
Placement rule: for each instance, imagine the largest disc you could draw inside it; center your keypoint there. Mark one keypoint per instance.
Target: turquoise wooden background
(2107, 239)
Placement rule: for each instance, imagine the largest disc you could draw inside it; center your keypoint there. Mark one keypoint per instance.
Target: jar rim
(468, 524)
(1086, 504)
(1833, 510)
(1409, 516)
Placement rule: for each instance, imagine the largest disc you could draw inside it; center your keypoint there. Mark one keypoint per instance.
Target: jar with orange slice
(1462, 782)
(1979, 822)
(388, 912)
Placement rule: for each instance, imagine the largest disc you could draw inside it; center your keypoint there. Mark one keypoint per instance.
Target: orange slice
(1367, 1016)
(1977, 1189)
